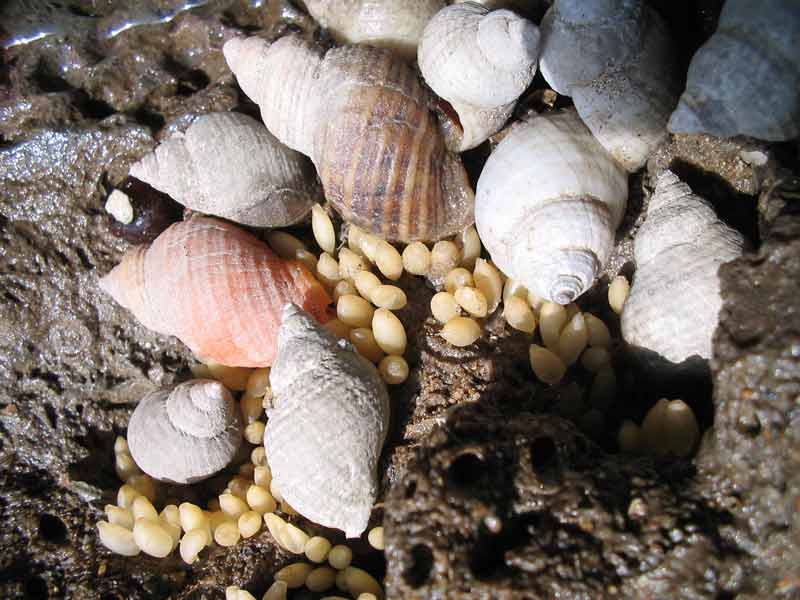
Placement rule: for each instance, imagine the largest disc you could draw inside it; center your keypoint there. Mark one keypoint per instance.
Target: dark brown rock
(749, 464)
(527, 507)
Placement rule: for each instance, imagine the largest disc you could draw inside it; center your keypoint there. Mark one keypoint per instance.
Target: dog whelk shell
(548, 203)
(216, 288)
(616, 60)
(480, 61)
(745, 80)
(229, 165)
(673, 306)
(381, 23)
(362, 116)
(326, 430)
(187, 433)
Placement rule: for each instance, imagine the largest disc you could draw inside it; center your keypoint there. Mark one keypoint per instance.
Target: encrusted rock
(527, 507)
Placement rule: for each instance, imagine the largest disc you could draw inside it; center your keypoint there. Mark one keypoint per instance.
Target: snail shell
(362, 116)
(480, 61)
(327, 426)
(615, 59)
(229, 165)
(215, 287)
(745, 80)
(673, 306)
(548, 202)
(381, 23)
(186, 433)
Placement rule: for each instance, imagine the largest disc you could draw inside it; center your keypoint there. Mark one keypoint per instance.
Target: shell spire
(327, 426)
(549, 201)
(673, 306)
(362, 117)
(229, 165)
(216, 288)
(479, 61)
(187, 433)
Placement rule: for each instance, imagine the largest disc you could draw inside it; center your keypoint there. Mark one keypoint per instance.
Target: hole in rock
(488, 556)
(468, 471)
(544, 455)
(419, 571)
(52, 529)
(36, 588)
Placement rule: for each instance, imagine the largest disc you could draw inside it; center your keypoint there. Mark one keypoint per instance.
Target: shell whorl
(549, 200)
(367, 128)
(673, 307)
(202, 411)
(746, 80)
(187, 433)
(480, 62)
(389, 24)
(229, 165)
(217, 288)
(616, 59)
(325, 433)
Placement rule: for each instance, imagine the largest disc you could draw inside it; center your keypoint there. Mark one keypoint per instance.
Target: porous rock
(527, 507)
(749, 464)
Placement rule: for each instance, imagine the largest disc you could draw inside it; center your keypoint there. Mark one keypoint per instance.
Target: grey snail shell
(186, 433)
(326, 431)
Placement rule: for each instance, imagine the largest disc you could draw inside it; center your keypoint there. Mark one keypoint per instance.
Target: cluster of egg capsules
(249, 502)
(473, 288)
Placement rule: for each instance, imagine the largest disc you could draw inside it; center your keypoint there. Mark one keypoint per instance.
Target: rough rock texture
(529, 508)
(749, 464)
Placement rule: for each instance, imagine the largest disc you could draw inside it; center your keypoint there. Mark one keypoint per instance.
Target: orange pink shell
(217, 288)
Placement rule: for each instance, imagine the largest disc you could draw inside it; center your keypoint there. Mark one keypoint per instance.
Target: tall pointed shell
(362, 116)
(548, 202)
(229, 165)
(480, 62)
(326, 430)
(381, 23)
(746, 80)
(215, 287)
(616, 59)
(187, 433)
(673, 306)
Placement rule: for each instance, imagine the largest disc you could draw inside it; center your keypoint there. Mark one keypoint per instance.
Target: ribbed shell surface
(229, 165)
(548, 202)
(217, 288)
(362, 116)
(325, 433)
(166, 444)
(673, 306)
(377, 150)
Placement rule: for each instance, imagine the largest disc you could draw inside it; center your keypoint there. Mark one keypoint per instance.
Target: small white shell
(745, 80)
(673, 306)
(480, 62)
(326, 430)
(229, 165)
(392, 24)
(548, 202)
(187, 433)
(615, 58)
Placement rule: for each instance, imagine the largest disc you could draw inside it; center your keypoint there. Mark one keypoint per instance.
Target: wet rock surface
(79, 106)
(530, 508)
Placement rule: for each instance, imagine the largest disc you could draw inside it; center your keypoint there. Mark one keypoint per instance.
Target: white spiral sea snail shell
(548, 202)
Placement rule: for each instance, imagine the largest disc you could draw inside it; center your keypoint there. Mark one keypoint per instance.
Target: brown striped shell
(362, 116)
(217, 288)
